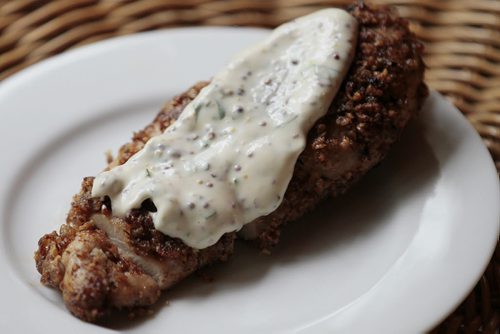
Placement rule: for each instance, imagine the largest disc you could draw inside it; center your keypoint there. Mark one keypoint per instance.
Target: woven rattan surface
(462, 39)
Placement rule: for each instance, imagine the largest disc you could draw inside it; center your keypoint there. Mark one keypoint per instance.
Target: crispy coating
(98, 260)
(383, 90)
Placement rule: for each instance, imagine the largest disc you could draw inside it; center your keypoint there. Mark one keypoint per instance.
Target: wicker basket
(462, 39)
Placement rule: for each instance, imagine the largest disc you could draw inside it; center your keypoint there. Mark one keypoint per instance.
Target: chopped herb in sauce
(226, 160)
(220, 110)
(197, 111)
(212, 215)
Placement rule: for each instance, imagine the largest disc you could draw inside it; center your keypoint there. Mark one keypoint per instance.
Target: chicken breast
(103, 263)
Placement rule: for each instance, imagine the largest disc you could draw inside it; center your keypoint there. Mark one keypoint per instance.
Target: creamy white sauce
(229, 157)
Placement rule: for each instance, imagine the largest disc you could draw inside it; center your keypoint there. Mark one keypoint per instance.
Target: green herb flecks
(197, 111)
(291, 119)
(211, 215)
(148, 173)
(220, 110)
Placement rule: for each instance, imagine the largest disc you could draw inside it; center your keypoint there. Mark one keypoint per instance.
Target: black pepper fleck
(176, 154)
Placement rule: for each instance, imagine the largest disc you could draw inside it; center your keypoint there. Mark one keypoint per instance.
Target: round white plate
(396, 254)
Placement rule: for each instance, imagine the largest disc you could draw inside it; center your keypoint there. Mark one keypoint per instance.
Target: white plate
(396, 254)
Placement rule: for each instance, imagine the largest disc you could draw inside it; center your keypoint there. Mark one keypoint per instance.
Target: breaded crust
(382, 91)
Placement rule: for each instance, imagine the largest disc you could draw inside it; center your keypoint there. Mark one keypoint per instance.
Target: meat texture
(103, 263)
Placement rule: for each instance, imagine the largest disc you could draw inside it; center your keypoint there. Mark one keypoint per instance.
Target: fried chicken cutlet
(103, 263)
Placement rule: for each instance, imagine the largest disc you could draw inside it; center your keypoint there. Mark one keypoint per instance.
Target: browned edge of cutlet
(382, 91)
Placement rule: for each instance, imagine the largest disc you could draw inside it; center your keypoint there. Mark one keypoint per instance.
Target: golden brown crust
(383, 90)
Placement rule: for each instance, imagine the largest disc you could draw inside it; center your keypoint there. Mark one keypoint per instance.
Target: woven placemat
(462, 39)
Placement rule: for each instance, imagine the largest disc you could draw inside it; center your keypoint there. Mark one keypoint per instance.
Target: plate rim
(17, 80)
